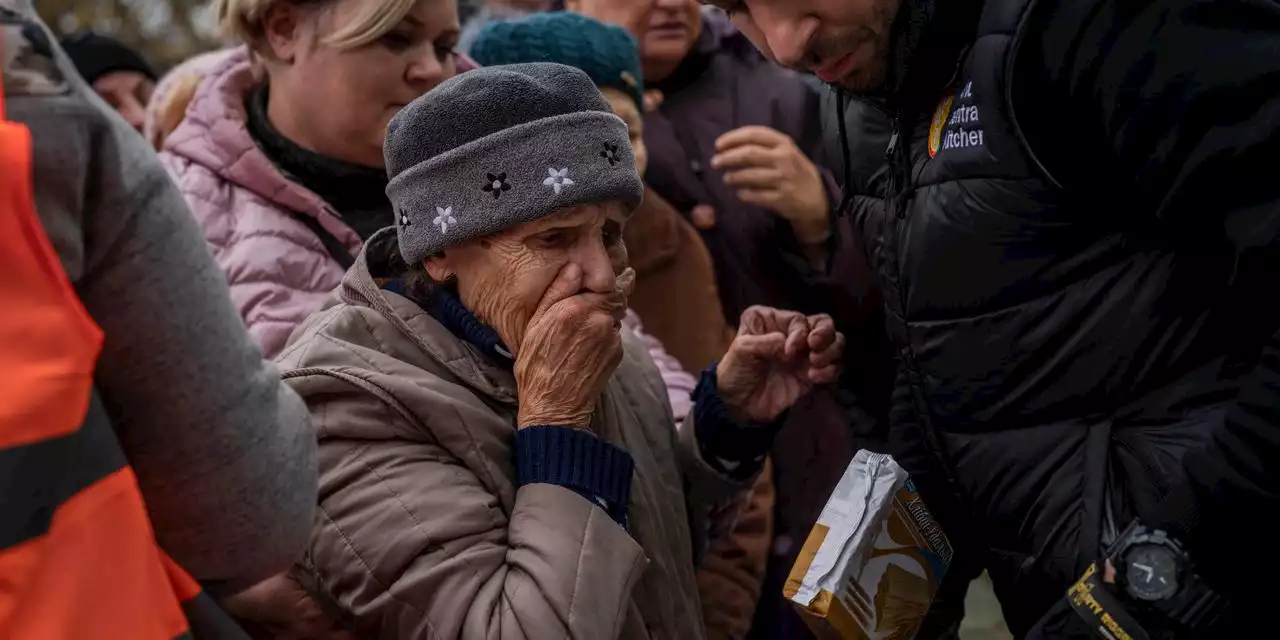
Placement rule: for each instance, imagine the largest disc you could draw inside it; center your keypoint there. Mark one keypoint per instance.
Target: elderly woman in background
(675, 291)
(498, 459)
(281, 157)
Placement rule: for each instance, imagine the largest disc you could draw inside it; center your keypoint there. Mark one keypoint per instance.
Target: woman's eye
(445, 53)
(396, 41)
(553, 238)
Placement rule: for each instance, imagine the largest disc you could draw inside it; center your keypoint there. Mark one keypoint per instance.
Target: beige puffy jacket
(422, 531)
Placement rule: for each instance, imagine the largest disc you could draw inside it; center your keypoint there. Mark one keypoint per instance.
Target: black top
(1103, 333)
(357, 192)
(1171, 109)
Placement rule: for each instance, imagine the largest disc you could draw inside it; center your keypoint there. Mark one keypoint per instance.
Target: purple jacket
(722, 85)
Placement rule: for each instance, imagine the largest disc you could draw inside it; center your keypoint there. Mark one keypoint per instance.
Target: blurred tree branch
(165, 32)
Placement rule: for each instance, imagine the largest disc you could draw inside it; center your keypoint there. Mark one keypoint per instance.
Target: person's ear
(438, 267)
(282, 28)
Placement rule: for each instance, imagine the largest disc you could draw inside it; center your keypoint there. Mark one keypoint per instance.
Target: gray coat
(221, 448)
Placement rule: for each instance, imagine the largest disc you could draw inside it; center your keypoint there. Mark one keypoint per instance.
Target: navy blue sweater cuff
(577, 460)
(736, 449)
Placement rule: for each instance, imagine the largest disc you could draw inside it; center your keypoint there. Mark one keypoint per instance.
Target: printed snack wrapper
(874, 560)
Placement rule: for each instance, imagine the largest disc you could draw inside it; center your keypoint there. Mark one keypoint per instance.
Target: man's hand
(280, 608)
(570, 351)
(769, 170)
(777, 358)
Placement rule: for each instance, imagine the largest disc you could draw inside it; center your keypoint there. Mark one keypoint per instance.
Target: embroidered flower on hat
(610, 153)
(404, 219)
(557, 179)
(496, 184)
(444, 218)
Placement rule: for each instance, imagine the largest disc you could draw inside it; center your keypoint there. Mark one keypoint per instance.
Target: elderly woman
(675, 290)
(280, 157)
(497, 453)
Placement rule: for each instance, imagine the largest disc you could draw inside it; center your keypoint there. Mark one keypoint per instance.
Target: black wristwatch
(1154, 573)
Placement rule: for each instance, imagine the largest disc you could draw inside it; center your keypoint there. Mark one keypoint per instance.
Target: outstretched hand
(777, 357)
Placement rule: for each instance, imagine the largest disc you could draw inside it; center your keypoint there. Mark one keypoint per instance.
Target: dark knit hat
(496, 147)
(606, 52)
(95, 56)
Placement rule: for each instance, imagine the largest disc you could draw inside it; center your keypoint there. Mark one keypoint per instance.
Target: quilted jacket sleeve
(277, 272)
(1191, 140)
(413, 544)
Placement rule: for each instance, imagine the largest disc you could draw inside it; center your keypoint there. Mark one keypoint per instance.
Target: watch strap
(1195, 606)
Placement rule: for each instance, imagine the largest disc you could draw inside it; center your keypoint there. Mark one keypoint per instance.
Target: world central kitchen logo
(956, 123)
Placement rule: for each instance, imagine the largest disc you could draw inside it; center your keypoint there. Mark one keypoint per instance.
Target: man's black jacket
(1075, 230)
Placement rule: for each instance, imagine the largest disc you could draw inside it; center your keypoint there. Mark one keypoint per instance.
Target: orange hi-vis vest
(78, 557)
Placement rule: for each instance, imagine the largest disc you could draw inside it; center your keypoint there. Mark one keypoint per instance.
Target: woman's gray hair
(418, 284)
(384, 252)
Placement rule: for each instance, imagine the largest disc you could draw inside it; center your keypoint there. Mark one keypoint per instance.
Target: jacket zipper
(896, 204)
(891, 187)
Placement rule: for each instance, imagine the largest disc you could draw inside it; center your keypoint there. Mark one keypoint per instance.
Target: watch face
(1151, 572)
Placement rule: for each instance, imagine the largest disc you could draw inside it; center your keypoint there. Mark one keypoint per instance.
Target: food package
(874, 560)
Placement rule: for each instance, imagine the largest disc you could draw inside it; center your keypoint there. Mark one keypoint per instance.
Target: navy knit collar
(447, 309)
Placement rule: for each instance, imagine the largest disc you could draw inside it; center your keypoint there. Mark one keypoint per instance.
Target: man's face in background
(843, 42)
(666, 30)
(673, 28)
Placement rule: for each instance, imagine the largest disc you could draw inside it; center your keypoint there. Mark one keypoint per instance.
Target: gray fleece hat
(500, 146)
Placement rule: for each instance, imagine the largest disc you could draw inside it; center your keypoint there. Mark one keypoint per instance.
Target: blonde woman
(280, 151)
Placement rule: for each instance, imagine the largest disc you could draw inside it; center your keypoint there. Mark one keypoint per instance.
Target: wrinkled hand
(769, 170)
(777, 358)
(570, 350)
(280, 608)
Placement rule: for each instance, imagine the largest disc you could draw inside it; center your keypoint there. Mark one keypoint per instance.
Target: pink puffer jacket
(278, 269)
